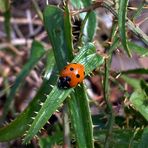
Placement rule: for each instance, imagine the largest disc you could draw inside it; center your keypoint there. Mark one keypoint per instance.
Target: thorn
(48, 122)
(93, 126)
(51, 86)
(41, 103)
(35, 112)
(42, 128)
(89, 75)
(74, 25)
(40, 131)
(33, 118)
(57, 111)
(118, 76)
(79, 85)
(76, 31)
(29, 125)
(45, 95)
(36, 136)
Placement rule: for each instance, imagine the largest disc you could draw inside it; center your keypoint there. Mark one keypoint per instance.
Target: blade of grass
(37, 51)
(138, 49)
(139, 10)
(122, 14)
(136, 71)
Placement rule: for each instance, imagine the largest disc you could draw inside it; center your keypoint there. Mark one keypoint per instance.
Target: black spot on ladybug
(77, 75)
(71, 69)
(64, 68)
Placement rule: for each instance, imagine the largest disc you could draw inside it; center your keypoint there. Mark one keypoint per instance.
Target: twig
(22, 21)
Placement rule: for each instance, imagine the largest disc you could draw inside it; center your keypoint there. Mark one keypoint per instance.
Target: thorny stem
(106, 93)
(108, 5)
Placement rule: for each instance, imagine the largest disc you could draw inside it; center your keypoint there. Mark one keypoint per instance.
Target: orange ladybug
(71, 75)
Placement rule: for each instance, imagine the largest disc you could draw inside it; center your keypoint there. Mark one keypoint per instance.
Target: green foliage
(86, 131)
(37, 51)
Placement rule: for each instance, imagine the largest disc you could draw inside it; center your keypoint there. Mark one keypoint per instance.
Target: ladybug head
(63, 82)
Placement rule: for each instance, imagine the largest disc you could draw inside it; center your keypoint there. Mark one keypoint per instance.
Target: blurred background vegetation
(110, 109)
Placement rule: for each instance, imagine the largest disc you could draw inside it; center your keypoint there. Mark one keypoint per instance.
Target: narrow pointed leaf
(122, 13)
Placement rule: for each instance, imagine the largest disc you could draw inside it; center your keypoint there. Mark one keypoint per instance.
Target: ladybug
(71, 75)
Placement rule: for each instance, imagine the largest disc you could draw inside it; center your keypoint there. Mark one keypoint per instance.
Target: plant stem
(109, 106)
(106, 93)
(35, 4)
(66, 126)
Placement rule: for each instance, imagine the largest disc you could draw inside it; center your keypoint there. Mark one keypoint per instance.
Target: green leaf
(79, 115)
(144, 86)
(19, 126)
(122, 13)
(90, 60)
(54, 24)
(138, 49)
(50, 141)
(131, 81)
(89, 22)
(140, 102)
(121, 138)
(136, 71)
(80, 3)
(139, 10)
(90, 27)
(37, 51)
(144, 142)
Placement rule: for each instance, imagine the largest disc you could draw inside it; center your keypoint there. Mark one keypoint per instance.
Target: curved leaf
(122, 12)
